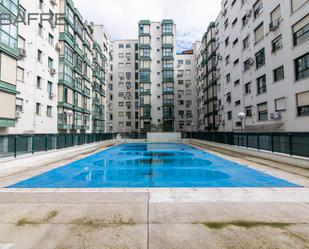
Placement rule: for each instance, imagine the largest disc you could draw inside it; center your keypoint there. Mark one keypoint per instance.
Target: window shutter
(303, 99)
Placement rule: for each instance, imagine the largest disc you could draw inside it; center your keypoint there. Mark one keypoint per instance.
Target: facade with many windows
(123, 88)
(263, 65)
(186, 91)
(157, 52)
(80, 90)
(37, 73)
(207, 81)
(8, 66)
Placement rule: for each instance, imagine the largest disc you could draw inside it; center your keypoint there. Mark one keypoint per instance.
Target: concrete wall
(164, 136)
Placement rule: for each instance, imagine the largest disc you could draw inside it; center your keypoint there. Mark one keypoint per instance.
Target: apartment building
(157, 53)
(37, 73)
(123, 89)
(262, 50)
(103, 44)
(8, 67)
(75, 72)
(207, 81)
(186, 91)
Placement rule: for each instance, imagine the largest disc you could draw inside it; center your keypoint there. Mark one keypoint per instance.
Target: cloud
(120, 17)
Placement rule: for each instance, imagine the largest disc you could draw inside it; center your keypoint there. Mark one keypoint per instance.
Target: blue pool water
(152, 165)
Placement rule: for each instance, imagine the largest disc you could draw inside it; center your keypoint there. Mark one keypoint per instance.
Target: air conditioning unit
(52, 71)
(52, 95)
(17, 115)
(275, 115)
(250, 62)
(216, 31)
(274, 25)
(249, 13)
(219, 57)
(21, 53)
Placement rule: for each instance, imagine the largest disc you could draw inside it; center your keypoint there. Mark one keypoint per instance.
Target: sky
(120, 17)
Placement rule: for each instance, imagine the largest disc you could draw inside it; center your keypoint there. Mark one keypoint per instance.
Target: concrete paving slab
(198, 236)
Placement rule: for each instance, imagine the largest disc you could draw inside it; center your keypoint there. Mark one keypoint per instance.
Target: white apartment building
(186, 92)
(157, 54)
(37, 73)
(263, 65)
(123, 88)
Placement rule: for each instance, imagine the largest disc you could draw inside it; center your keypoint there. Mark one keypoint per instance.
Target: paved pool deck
(190, 218)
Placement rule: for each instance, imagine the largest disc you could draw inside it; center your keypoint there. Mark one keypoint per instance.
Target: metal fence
(294, 143)
(15, 145)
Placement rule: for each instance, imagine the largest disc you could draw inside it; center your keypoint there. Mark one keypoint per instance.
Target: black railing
(292, 143)
(15, 145)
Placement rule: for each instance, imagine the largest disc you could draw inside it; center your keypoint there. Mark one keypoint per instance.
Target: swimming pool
(152, 165)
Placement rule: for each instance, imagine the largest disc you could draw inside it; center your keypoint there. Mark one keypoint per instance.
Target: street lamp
(192, 126)
(241, 116)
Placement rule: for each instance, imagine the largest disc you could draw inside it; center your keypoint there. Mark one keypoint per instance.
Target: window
(40, 29)
(50, 63)
(262, 112)
(167, 28)
(279, 74)
(301, 31)
(167, 52)
(144, 29)
(236, 82)
(276, 44)
(261, 84)
(128, 45)
(50, 39)
(49, 88)
(276, 14)
(303, 103)
(249, 111)
(68, 54)
(19, 105)
(260, 58)
(188, 72)
(227, 60)
(39, 55)
(38, 109)
(228, 78)
(20, 74)
(227, 41)
(229, 115)
(248, 63)
(120, 55)
(167, 39)
(120, 46)
(49, 111)
(259, 33)
(248, 88)
(245, 42)
(21, 42)
(120, 104)
(258, 8)
(237, 103)
(280, 104)
(39, 82)
(188, 62)
(302, 67)
(296, 4)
